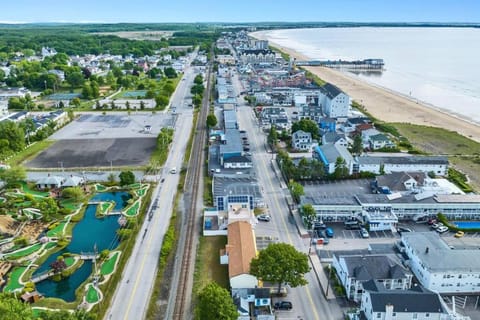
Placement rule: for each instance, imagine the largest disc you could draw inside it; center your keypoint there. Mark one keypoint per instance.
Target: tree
(198, 79)
(296, 189)
(341, 169)
(58, 265)
(309, 214)
(126, 178)
(307, 125)
(281, 263)
(170, 73)
(13, 176)
(215, 302)
(13, 309)
(161, 101)
(211, 121)
(74, 193)
(75, 79)
(357, 147)
(142, 105)
(272, 136)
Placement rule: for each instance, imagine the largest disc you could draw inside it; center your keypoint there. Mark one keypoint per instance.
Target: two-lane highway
(133, 292)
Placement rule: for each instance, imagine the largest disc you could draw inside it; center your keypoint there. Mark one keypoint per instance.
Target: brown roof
(241, 248)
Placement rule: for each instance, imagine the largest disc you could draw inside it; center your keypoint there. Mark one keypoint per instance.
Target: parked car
(329, 232)
(283, 305)
(442, 229)
(459, 234)
(364, 233)
(432, 221)
(264, 217)
(319, 225)
(401, 230)
(437, 225)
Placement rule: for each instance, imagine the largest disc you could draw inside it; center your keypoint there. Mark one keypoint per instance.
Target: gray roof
(369, 267)
(332, 152)
(440, 257)
(237, 159)
(332, 137)
(395, 180)
(330, 90)
(235, 184)
(233, 142)
(229, 116)
(404, 160)
(416, 299)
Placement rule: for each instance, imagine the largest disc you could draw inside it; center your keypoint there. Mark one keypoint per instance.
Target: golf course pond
(89, 233)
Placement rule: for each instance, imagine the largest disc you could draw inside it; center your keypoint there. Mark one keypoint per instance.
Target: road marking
(142, 265)
(309, 295)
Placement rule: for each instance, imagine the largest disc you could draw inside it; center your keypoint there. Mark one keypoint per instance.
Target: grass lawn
(69, 204)
(437, 140)
(13, 282)
(464, 154)
(29, 152)
(24, 252)
(135, 186)
(69, 261)
(207, 266)
(100, 187)
(50, 245)
(141, 192)
(104, 207)
(57, 231)
(133, 209)
(107, 266)
(92, 294)
(28, 190)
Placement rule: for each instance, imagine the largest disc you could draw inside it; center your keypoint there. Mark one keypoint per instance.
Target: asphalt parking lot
(95, 153)
(114, 125)
(97, 140)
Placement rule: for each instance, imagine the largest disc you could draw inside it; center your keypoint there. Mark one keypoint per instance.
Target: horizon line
(7, 22)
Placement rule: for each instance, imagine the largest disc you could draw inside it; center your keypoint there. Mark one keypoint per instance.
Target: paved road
(309, 302)
(133, 293)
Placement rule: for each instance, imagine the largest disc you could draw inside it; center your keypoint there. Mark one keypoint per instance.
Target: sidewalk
(321, 276)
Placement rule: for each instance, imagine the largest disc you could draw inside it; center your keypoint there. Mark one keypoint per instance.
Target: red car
(431, 221)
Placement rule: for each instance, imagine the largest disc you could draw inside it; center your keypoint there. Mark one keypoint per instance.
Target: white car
(442, 229)
(264, 217)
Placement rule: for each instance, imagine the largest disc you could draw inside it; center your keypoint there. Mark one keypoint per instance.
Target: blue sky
(240, 10)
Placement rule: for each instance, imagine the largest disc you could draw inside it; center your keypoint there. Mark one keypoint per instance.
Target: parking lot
(97, 140)
(114, 125)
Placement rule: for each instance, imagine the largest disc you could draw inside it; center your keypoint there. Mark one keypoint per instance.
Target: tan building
(239, 251)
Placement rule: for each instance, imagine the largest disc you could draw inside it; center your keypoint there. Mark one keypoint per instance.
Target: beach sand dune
(383, 104)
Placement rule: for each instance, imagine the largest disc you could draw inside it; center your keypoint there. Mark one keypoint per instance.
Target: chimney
(427, 249)
(389, 311)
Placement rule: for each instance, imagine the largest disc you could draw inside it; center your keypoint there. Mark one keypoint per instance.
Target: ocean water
(438, 66)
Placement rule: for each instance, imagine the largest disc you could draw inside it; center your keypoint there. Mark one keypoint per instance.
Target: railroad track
(192, 181)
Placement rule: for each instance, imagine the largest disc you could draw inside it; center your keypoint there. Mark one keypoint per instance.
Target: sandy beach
(385, 104)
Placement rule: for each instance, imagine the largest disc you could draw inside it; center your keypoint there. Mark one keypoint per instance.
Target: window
(427, 315)
(379, 315)
(415, 316)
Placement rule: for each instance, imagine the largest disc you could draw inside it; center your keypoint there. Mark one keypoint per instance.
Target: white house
(379, 303)
(440, 268)
(353, 271)
(50, 182)
(400, 163)
(379, 141)
(240, 250)
(302, 141)
(335, 102)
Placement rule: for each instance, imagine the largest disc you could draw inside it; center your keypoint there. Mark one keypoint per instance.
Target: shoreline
(383, 103)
